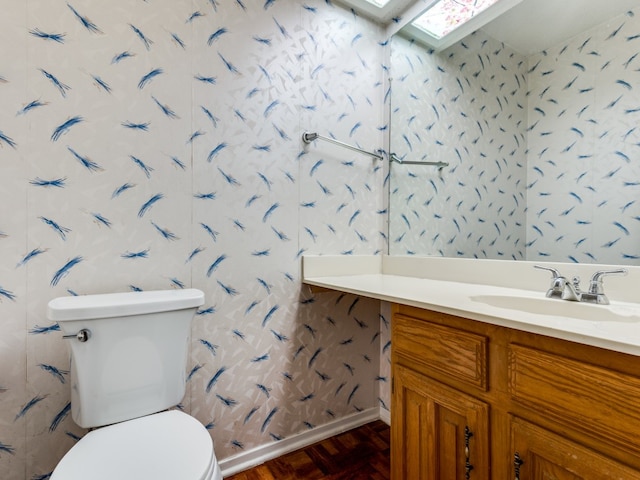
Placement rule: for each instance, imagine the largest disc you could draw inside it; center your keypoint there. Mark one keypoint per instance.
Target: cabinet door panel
(547, 456)
(429, 425)
(450, 427)
(567, 391)
(447, 350)
(543, 469)
(416, 459)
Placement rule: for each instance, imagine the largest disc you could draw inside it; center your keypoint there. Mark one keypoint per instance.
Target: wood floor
(359, 454)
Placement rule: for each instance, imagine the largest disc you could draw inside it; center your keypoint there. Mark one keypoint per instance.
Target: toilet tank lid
(86, 307)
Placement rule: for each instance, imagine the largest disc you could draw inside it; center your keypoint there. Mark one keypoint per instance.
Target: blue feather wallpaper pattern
(465, 106)
(541, 148)
(152, 144)
(583, 174)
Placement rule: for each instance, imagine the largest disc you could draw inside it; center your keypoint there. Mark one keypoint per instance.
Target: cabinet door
(438, 433)
(542, 455)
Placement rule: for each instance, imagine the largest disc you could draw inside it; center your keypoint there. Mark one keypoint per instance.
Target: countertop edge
(568, 330)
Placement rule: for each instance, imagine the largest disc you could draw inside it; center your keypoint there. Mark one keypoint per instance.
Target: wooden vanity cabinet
(542, 455)
(439, 432)
(477, 401)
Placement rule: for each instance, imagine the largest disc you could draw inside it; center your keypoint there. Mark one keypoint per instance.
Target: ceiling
(385, 15)
(529, 27)
(535, 25)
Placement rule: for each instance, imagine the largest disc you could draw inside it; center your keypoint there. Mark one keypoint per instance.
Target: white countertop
(368, 277)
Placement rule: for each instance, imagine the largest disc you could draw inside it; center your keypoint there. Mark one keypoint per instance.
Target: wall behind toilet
(155, 144)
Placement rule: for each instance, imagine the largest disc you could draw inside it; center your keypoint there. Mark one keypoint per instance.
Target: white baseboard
(385, 416)
(261, 454)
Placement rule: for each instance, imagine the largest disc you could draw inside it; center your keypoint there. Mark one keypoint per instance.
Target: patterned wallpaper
(465, 106)
(151, 144)
(583, 174)
(541, 149)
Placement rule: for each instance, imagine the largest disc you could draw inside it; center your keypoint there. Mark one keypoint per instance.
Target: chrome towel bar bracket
(394, 158)
(308, 137)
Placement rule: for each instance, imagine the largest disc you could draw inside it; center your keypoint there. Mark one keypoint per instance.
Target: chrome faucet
(572, 291)
(565, 290)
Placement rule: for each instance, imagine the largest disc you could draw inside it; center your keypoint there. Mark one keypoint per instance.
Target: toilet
(128, 369)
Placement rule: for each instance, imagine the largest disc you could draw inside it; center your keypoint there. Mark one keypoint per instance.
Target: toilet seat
(164, 446)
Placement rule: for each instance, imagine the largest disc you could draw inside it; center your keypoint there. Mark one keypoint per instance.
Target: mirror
(538, 116)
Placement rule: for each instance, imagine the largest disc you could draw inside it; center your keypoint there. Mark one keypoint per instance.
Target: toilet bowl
(128, 370)
(164, 446)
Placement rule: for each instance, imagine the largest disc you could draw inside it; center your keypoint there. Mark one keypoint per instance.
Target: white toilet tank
(134, 360)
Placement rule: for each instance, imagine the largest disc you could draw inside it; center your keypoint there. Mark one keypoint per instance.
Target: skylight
(447, 15)
(445, 22)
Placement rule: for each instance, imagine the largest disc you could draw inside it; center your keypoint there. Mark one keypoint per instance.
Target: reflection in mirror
(542, 147)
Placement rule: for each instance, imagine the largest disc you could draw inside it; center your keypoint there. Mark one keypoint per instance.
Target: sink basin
(563, 308)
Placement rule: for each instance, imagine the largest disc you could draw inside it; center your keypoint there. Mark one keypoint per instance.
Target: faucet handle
(596, 287)
(558, 282)
(554, 272)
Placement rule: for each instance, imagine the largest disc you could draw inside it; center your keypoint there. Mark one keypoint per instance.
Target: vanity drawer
(447, 350)
(593, 400)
